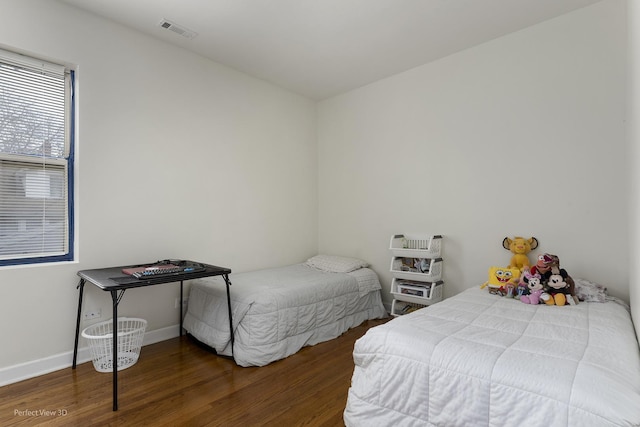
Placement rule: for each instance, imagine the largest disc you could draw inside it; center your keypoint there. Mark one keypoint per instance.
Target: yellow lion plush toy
(520, 248)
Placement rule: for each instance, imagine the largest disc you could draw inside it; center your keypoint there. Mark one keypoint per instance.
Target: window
(36, 160)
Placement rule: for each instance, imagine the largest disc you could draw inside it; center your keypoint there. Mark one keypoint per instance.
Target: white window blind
(35, 146)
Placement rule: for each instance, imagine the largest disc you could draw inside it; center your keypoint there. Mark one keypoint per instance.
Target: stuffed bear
(534, 288)
(520, 247)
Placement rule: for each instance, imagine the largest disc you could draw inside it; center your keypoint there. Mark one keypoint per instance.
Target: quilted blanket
(277, 311)
(482, 360)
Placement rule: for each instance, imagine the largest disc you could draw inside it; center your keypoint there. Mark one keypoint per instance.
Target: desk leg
(114, 297)
(75, 346)
(181, 288)
(228, 282)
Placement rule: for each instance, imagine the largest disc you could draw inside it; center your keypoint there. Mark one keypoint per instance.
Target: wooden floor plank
(179, 382)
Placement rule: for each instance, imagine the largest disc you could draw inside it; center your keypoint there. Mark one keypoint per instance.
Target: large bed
(278, 311)
(478, 359)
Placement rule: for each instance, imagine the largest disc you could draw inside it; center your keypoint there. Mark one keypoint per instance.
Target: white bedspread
(482, 360)
(278, 311)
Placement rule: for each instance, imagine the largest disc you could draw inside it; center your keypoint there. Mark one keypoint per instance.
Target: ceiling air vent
(178, 29)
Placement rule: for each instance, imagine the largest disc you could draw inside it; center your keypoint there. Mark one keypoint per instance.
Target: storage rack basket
(432, 274)
(431, 295)
(416, 245)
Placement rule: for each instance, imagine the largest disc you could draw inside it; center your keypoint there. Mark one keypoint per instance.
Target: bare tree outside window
(30, 124)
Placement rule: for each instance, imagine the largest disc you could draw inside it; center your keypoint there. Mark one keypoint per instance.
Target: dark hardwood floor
(180, 383)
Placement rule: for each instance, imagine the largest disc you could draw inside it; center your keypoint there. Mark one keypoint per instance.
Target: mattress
(278, 311)
(482, 360)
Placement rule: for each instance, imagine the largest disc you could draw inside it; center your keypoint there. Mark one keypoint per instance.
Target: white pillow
(336, 264)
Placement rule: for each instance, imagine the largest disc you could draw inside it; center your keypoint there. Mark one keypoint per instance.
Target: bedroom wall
(178, 157)
(633, 98)
(523, 135)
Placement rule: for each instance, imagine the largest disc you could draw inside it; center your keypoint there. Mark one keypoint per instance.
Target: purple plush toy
(532, 298)
(534, 284)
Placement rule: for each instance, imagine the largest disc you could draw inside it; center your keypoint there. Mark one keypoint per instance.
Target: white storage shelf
(416, 267)
(403, 268)
(399, 307)
(423, 293)
(416, 245)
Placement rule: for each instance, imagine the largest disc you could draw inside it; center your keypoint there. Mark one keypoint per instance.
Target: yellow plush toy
(501, 277)
(520, 248)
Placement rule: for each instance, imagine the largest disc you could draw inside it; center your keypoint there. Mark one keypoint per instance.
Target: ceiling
(321, 48)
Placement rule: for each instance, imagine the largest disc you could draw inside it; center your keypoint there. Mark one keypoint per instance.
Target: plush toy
(544, 263)
(500, 277)
(522, 288)
(548, 266)
(534, 297)
(509, 291)
(534, 288)
(523, 284)
(520, 247)
(504, 291)
(557, 286)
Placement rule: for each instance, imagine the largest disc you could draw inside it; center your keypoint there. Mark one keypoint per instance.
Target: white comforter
(278, 311)
(483, 360)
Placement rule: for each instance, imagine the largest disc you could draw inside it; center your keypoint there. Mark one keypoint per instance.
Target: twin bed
(475, 359)
(278, 311)
(478, 359)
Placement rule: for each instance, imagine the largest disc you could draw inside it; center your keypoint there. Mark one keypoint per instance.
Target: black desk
(116, 282)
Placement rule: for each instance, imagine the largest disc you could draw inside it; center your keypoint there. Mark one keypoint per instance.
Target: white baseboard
(35, 368)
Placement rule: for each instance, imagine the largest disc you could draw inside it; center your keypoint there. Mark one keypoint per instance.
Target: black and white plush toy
(557, 283)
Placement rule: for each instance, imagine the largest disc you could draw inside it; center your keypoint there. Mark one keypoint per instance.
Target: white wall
(633, 92)
(523, 135)
(177, 157)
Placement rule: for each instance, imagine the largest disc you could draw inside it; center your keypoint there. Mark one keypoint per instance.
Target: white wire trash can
(100, 338)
